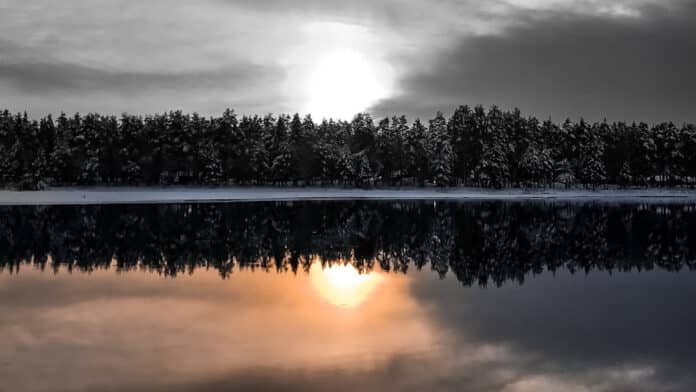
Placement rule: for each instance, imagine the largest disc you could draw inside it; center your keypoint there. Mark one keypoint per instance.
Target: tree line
(474, 147)
(479, 242)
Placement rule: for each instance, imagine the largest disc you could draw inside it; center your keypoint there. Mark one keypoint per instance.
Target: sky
(627, 60)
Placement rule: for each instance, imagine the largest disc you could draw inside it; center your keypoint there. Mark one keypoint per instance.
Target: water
(344, 296)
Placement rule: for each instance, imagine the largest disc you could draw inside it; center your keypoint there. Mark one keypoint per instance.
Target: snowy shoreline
(146, 195)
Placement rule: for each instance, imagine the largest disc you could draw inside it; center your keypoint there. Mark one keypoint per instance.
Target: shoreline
(163, 195)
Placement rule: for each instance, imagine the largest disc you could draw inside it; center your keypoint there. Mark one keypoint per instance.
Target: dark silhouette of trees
(475, 147)
(479, 242)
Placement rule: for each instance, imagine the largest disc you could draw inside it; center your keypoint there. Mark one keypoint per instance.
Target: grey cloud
(589, 323)
(421, 13)
(40, 77)
(397, 373)
(33, 294)
(567, 66)
(387, 11)
(44, 85)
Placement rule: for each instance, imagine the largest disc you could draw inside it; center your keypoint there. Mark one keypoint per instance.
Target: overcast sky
(621, 59)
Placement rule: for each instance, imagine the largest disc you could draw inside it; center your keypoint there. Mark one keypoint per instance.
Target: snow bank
(131, 195)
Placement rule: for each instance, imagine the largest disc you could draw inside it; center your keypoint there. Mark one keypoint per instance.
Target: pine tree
(65, 157)
(300, 150)
(493, 169)
(132, 149)
(591, 153)
(7, 148)
(520, 134)
(88, 143)
(399, 128)
(415, 154)
(27, 156)
(249, 156)
(493, 148)
(689, 153)
(440, 151)
(47, 144)
(625, 176)
(645, 161)
(361, 169)
(536, 166)
(389, 144)
(109, 151)
(466, 129)
(362, 146)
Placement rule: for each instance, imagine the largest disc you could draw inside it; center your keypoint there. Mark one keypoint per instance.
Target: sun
(343, 285)
(342, 84)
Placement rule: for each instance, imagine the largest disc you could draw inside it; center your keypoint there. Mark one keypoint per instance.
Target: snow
(134, 195)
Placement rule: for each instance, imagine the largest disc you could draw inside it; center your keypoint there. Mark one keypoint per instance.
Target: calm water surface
(344, 296)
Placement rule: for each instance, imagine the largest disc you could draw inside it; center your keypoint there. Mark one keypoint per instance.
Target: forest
(474, 147)
(481, 243)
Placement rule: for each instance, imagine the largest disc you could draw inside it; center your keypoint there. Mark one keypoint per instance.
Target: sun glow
(343, 285)
(343, 84)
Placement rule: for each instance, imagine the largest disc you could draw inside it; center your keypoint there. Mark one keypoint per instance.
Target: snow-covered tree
(493, 167)
(488, 148)
(415, 154)
(439, 151)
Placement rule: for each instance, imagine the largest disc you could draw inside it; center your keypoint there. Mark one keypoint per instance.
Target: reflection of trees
(481, 243)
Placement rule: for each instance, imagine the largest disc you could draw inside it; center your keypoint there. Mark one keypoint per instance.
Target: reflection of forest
(480, 242)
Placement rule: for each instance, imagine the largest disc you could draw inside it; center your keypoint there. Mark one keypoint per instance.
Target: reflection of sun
(343, 285)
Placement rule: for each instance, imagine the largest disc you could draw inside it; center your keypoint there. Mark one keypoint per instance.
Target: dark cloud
(577, 324)
(397, 373)
(41, 84)
(567, 65)
(32, 293)
(45, 77)
(390, 12)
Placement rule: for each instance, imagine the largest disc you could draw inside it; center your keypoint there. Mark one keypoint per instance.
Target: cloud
(398, 373)
(606, 330)
(50, 87)
(566, 65)
(50, 77)
(622, 58)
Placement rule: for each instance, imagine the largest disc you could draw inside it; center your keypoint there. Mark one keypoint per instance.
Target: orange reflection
(204, 327)
(343, 285)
